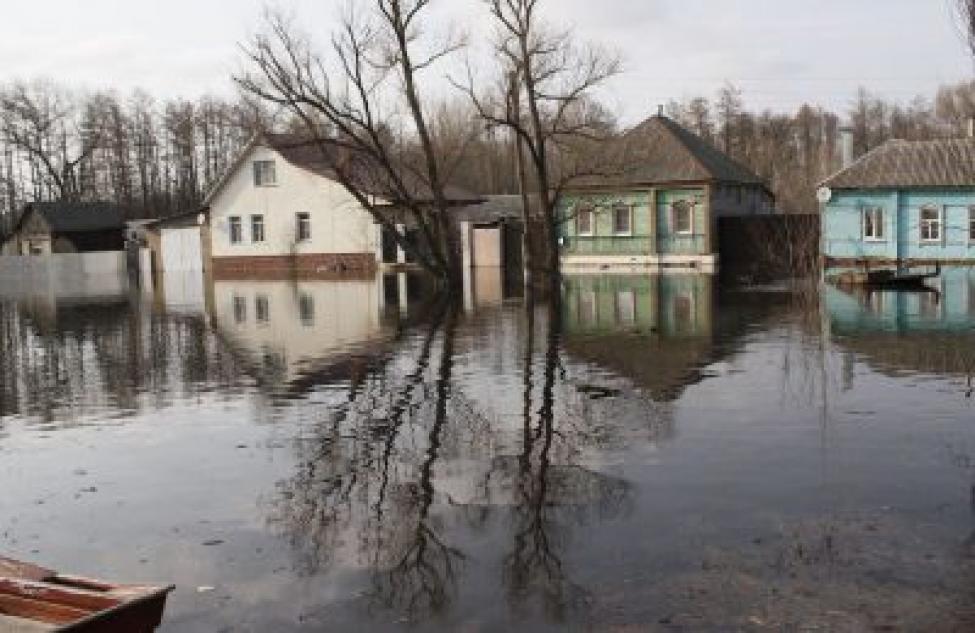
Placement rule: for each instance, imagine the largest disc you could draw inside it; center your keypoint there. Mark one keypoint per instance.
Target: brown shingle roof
(942, 163)
(320, 157)
(660, 150)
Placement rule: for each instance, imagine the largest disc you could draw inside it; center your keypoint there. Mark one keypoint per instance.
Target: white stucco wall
(338, 223)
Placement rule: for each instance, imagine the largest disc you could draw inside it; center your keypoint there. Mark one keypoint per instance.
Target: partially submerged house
(902, 202)
(661, 207)
(46, 228)
(282, 210)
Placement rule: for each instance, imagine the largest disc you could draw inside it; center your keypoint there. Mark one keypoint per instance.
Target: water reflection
(626, 454)
(930, 331)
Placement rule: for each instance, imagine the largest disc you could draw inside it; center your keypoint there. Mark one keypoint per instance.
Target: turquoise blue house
(661, 209)
(911, 202)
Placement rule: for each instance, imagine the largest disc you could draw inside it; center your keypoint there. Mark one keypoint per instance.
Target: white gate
(181, 250)
(182, 269)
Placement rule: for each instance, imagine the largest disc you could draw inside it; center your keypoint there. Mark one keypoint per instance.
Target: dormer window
(264, 173)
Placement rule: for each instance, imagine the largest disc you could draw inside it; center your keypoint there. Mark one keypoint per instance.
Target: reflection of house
(948, 305)
(903, 201)
(68, 227)
(655, 330)
(290, 328)
(914, 331)
(662, 208)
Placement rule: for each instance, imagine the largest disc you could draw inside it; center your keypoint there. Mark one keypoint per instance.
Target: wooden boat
(36, 600)
(886, 278)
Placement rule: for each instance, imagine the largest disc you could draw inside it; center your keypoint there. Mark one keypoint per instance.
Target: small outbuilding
(46, 228)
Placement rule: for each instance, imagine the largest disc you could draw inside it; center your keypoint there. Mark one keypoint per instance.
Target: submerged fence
(64, 274)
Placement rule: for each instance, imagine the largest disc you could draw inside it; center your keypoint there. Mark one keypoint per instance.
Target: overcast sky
(779, 52)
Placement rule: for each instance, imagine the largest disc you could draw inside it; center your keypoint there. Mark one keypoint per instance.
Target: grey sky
(780, 52)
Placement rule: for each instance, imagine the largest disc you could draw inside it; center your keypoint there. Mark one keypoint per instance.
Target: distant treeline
(795, 152)
(157, 158)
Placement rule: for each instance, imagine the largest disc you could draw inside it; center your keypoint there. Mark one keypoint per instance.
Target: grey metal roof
(660, 150)
(79, 217)
(494, 208)
(895, 164)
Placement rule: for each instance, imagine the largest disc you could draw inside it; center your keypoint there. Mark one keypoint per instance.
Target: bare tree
(966, 13)
(362, 107)
(555, 81)
(43, 124)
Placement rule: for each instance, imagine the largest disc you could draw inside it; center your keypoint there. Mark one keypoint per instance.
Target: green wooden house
(660, 208)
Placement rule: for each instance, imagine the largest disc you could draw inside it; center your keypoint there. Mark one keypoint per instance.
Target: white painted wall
(338, 223)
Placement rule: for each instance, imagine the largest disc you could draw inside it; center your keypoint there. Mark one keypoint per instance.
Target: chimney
(660, 110)
(846, 146)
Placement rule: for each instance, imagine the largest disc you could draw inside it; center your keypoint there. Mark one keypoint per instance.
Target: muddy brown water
(653, 453)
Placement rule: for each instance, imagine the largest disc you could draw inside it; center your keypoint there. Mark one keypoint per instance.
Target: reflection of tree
(534, 568)
(422, 575)
(365, 481)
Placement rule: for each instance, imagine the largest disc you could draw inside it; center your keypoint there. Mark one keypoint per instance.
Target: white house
(280, 211)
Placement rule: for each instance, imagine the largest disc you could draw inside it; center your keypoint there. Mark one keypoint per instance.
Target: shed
(69, 227)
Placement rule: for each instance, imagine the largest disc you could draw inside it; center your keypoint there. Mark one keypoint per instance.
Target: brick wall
(317, 266)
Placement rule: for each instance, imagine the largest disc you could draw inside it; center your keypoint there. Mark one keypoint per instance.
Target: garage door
(181, 250)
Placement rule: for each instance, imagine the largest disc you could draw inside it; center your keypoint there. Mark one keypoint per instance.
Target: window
(264, 173)
(971, 224)
(240, 309)
(622, 220)
(584, 221)
(306, 309)
(236, 234)
(262, 309)
(257, 228)
(303, 230)
(682, 217)
(873, 224)
(626, 307)
(930, 224)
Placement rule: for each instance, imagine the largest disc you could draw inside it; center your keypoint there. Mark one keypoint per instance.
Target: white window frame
(938, 222)
(864, 214)
(257, 219)
(673, 217)
(302, 218)
(592, 221)
(262, 170)
(236, 237)
(629, 219)
(971, 225)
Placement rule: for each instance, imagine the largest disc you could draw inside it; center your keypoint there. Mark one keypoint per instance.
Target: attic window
(264, 173)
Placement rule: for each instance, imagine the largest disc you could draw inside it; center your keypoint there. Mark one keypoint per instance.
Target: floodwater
(655, 453)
